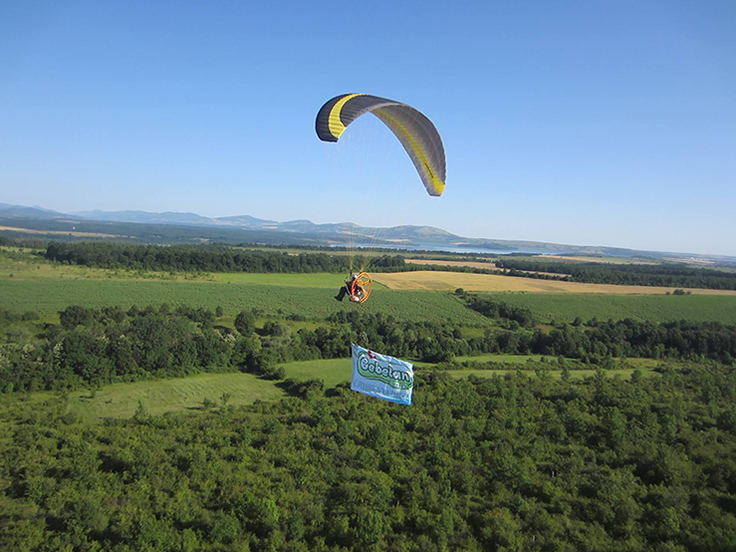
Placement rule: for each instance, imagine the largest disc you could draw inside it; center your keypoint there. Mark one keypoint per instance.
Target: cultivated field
(316, 280)
(431, 280)
(50, 296)
(655, 308)
(28, 283)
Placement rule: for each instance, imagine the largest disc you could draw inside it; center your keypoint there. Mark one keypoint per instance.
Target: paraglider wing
(415, 132)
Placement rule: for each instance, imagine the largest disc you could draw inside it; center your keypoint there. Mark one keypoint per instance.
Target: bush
(274, 373)
(245, 323)
(75, 315)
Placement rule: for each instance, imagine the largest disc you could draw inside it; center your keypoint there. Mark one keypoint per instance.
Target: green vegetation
(656, 274)
(158, 397)
(332, 372)
(516, 359)
(190, 394)
(512, 463)
(37, 285)
(655, 308)
(554, 374)
(94, 347)
(207, 258)
(318, 280)
(221, 258)
(49, 296)
(540, 422)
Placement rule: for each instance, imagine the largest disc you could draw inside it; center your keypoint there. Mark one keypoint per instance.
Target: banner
(382, 376)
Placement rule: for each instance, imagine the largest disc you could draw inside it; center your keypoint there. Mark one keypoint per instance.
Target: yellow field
(429, 280)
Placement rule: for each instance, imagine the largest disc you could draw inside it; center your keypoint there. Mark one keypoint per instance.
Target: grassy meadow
(158, 397)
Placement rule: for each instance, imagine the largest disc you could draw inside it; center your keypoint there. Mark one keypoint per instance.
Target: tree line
(664, 275)
(204, 258)
(209, 258)
(91, 347)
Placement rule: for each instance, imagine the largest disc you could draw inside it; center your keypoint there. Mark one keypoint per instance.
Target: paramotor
(414, 130)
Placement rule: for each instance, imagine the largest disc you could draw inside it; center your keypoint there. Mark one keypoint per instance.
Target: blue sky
(589, 122)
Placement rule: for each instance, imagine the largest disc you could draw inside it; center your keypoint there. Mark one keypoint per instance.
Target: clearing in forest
(157, 397)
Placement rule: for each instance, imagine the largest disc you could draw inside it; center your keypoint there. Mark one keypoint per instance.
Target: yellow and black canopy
(415, 132)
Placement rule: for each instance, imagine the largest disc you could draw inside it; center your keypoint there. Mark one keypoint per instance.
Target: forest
(514, 463)
(206, 258)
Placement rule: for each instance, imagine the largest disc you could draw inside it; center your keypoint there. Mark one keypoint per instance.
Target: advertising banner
(382, 376)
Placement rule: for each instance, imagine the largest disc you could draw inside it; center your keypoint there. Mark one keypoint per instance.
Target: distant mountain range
(174, 227)
(19, 211)
(427, 234)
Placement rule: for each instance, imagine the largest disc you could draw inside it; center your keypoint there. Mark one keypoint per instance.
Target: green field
(52, 295)
(158, 397)
(31, 283)
(331, 371)
(316, 280)
(655, 308)
(49, 296)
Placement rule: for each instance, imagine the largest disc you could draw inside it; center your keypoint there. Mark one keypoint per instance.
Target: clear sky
(583, 122)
